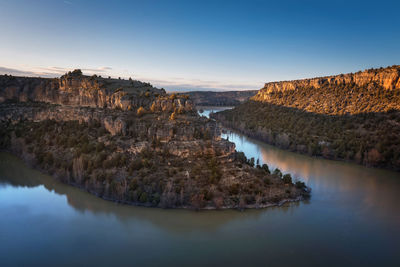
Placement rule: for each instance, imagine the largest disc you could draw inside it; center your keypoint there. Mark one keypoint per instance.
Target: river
(352, 218)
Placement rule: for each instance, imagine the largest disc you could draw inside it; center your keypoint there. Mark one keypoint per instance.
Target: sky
(198, 45)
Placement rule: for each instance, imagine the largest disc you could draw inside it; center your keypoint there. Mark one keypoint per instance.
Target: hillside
(354, 117)
(225, 98)
(129, 142)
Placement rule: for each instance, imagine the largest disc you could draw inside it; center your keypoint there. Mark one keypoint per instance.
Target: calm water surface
(353, 218)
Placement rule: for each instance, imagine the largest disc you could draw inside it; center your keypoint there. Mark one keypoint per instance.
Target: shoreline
(256, 136)
(138, 204)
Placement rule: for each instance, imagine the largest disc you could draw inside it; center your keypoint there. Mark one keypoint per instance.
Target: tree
(287, 178)
(277, 172)
(265, 168)
(251, 162)
(76, 72)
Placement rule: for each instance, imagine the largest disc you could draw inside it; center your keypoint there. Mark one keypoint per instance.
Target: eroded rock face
(388, 78)
(80, 90)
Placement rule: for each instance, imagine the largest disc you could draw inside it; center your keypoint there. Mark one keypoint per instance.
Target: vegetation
(343, 122)
(135, 145)
(158, 173)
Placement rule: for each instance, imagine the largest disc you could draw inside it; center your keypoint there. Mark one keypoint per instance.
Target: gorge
(126, 141)
(352, 117)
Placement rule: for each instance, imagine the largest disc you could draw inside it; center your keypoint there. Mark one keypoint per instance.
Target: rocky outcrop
(114, 121)
(388, 78)
(75, 89)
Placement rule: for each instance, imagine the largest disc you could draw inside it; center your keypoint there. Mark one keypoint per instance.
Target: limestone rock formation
(388, 78)
(75, 89)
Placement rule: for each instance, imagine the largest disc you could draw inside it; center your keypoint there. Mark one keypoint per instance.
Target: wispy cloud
(60, 70)
(170, 84)
(182, 84)
(17, 72)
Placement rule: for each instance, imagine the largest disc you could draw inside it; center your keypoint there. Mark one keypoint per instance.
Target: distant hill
(227, 98)
(354, 117)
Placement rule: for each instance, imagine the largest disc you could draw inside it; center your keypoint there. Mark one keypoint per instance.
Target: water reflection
(351, 219)
(206, 111)
(373, 189)
(13, 172)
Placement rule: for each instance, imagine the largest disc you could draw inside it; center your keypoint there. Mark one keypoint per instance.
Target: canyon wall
(388, 78)
(75, 89)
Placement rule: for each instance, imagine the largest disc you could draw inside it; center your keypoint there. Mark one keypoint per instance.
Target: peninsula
(127, 141)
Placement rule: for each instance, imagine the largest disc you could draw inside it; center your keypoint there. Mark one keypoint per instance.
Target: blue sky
(198, 45)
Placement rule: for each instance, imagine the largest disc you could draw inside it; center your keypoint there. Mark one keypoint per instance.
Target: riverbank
(190, 167)
(269, 124)
(349, 204)
(31, 163)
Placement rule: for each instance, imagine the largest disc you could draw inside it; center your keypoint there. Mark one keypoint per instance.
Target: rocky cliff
(388, 78)
(75, 89)
(374, 90)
